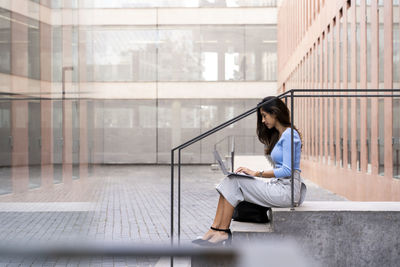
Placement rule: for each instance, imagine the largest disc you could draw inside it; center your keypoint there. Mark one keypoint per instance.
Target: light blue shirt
(281, 154)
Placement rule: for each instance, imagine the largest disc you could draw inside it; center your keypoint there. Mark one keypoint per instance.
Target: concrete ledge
(343, 233)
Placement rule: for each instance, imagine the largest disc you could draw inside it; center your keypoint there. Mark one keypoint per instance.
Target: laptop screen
(220, 162)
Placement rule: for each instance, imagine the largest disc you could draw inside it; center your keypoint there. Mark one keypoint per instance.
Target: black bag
(250, 212)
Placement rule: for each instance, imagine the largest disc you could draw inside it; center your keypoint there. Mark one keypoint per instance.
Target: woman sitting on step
(270, 188)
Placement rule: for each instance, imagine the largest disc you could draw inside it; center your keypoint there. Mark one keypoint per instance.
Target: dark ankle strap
(221, 230)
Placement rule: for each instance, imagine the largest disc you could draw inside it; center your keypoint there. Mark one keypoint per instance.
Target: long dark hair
(269, 137)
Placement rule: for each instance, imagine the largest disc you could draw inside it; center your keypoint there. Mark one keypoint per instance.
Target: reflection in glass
(381, 137)
(349, 43)
(57, 128)
(34, 147)
(358, 137)
(396, 138)
(5, 41)
(121, 54)
(368, 58)
(209, 64)
(180, 53)
(381, 42)
(56, 58)
(75, 139)
(171, 3)
(261, 53)
(33, 49)
(349, 136)
(5, 148)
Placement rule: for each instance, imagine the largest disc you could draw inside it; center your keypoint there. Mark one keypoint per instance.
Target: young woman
(273, 130)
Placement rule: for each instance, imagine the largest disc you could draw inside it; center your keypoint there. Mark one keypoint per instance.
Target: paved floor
(115, 203)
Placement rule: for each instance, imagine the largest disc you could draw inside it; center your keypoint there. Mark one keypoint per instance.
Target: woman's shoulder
(288, 133)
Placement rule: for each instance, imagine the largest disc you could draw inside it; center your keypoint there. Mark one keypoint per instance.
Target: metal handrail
(249, 112)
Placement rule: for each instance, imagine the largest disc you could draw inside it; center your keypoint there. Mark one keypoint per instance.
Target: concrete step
(248, 231)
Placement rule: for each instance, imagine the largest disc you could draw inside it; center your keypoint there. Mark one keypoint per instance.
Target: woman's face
(269, 120)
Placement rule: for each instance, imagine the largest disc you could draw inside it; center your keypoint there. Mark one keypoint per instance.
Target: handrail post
(233, 153)
(292, 148)
(179, 197)
(172, 203)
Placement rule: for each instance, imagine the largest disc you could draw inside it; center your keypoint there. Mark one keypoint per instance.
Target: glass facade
(136, 54)
(154, 3)
(5, 41)
(171, 3)
(181, 53)
(48, 134)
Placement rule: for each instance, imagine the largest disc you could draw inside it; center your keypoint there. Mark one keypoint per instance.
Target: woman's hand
(246, 171)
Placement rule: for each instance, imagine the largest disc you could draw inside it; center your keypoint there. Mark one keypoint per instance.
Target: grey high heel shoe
(199, 240)
(226, 242)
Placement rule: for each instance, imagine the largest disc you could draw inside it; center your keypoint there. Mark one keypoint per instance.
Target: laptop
(225, 171)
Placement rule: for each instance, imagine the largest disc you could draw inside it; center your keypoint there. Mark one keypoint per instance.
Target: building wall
(351, 145)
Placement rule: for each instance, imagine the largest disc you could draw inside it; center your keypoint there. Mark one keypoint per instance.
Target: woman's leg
(217, 218)
(224, 220)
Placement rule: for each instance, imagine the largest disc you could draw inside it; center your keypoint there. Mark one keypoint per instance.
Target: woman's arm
(264, 174)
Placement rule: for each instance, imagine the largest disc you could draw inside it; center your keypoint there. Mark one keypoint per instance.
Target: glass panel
(341, 50)
(369, 168)
(125, 131)
(5, 41)
(381, 42)
(90, 135)
(75, 139)
(396, 80)
(34, 136)
(318, 127)
(75, 54)
(396, 138)
(349, 127)
(358, 29)
(334, 130)
(340, 157)
(125, 54)
(323, 78)
(334, 36)
(5, 148)
(381, 138)
(179, 53)
(328, 66)
(396, 45)
(33, 49)
(56, 59)
(329, 118)
(171, 3)
(58, 3)
(171, 131)
(261, 53)
(19, 45)
(358, 116)
(58, 141)
(368, 59)
(349, 43)
(318, 64)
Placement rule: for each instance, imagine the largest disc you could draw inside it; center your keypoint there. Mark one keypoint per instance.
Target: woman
(273, 130)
